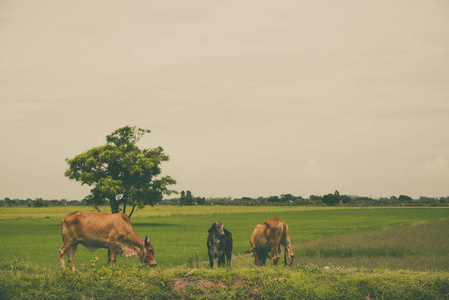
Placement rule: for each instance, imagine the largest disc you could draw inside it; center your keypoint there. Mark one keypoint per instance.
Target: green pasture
(32, 236)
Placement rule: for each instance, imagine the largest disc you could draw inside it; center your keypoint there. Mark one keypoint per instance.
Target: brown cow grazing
(98, 230)
(219, 245)
(266, 240)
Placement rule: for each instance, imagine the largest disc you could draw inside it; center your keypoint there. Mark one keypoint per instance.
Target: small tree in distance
(330, 199)
(120, 173)
(404, 198)
(188, 199)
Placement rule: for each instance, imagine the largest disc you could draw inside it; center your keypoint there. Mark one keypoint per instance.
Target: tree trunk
(125, 202)
(114, 206)
(132, 210)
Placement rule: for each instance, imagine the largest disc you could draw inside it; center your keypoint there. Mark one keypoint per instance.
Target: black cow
(219, 244)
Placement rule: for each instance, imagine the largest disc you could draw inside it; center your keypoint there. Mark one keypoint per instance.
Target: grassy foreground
(18, 282)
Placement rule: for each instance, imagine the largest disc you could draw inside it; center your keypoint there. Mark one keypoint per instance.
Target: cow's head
(217, 228)
(147, 253)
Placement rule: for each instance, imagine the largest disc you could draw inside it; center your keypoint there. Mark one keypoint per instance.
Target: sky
(249, 98)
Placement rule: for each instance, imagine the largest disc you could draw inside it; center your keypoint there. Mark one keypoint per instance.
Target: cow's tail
(62, 230)
(65, 223)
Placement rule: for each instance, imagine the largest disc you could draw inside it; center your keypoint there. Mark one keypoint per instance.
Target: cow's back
(275, 229)
(275, 223)
(95, 228)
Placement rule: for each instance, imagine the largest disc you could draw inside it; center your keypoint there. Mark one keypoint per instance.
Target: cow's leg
(71, 254)
(285, 255)
(221, 260)
(288, 253)
(275, 253)
(228, 259)
(112, 253)
(211, 261)
(108, 260)
(62, 252)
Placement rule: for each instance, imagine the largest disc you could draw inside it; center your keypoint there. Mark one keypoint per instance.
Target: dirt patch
(205, 288)
(180, 284)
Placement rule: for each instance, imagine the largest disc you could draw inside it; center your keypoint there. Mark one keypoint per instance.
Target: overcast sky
(249, 98)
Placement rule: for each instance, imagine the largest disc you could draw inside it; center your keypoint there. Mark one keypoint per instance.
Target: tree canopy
(330, 199)
(121, 173)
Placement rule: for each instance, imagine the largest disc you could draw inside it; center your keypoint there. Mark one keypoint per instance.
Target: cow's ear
(211, 228)
(147, 241)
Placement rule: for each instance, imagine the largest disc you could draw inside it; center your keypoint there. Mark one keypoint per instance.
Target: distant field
(15, 213)
(32, 235)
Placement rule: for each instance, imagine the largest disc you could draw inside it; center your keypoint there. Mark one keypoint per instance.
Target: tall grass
(418, 246)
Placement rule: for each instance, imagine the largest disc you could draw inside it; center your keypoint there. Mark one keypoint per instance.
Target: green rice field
(320, 235)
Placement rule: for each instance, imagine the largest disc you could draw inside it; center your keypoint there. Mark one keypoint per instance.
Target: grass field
(32, 235)
(385, 253)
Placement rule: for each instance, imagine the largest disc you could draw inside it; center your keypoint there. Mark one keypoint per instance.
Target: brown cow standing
(266, 240)
(99, 230)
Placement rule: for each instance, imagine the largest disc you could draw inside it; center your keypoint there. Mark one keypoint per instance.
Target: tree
(273, 199)
(186, 199)
(200, 200)
(9, 201)
(121, 173)
(287, 198)
(404, 198)
(330, 199)
(345, 199)
(337, 194)
(39, 202)
(315, 198)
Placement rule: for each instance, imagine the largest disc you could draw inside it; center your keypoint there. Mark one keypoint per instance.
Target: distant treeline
(39, 202)
(334, 199)
(318, 200)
